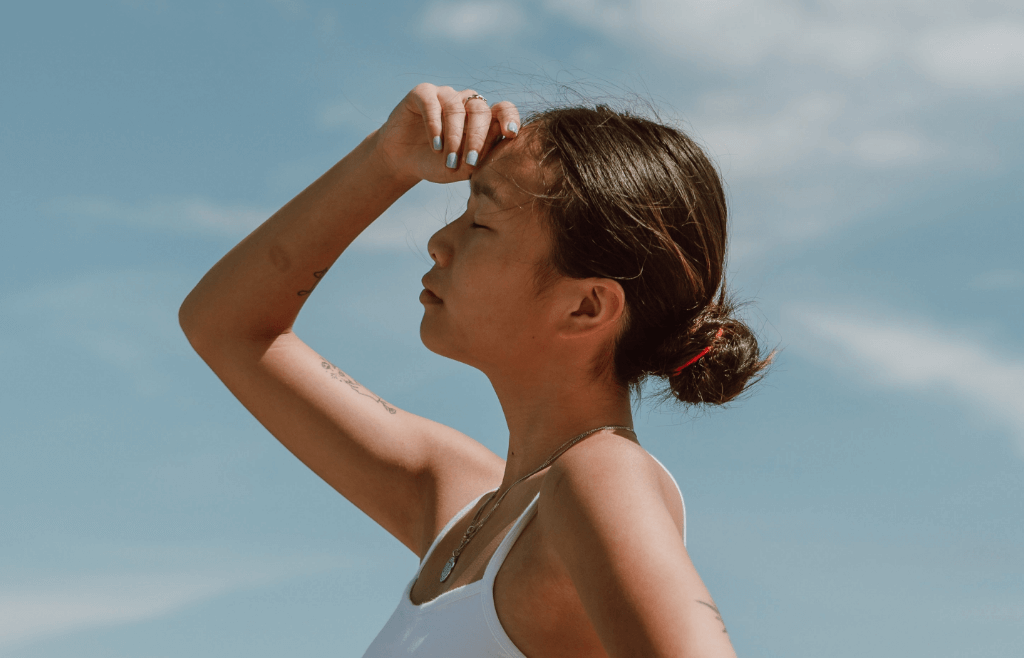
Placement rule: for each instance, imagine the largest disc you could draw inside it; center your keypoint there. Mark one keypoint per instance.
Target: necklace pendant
(447, 570)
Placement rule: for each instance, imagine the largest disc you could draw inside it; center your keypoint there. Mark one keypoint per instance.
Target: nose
(439, 246)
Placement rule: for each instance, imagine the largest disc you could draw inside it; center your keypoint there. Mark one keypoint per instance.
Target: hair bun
(716, 360)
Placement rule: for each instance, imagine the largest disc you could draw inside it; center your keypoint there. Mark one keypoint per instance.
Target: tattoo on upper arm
(319, 275)
(718, 615)
(336, 373)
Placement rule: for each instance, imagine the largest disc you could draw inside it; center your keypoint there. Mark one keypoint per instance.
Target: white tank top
(462, 622)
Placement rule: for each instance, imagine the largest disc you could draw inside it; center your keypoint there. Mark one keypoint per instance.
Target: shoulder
(609, 484)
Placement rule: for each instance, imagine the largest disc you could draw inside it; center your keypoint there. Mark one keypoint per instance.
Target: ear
(596, 305)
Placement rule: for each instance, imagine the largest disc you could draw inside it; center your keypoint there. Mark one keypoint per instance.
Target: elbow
(189, 319)
(211, 329)
(186, 320)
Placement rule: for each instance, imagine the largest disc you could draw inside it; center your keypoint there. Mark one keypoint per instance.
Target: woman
(589, 257)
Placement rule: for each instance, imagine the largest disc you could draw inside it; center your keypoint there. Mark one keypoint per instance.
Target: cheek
(489, 305)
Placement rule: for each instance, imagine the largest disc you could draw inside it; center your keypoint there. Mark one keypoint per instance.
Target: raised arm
(408, 473)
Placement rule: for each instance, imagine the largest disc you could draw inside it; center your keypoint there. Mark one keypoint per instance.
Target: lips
(428, 296)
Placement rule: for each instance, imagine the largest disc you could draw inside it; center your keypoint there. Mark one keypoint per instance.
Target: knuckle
(455, 108)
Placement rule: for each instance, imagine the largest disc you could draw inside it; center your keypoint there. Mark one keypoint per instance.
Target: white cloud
(59, 603)
(471, 21)
(966, 45)
(760, 145)
(890, 148)
(738, 34)
(754, 143)
(797, 168)
(984, 56)
(185, 215)
(409, 222)
(913, 355)
(42, 611)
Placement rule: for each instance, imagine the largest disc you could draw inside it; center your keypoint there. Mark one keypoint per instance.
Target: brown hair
(639, 202)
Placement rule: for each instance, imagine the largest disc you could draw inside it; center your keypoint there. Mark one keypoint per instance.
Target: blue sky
(867, 499)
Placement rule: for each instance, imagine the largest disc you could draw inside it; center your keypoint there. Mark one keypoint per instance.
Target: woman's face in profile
(482, 308)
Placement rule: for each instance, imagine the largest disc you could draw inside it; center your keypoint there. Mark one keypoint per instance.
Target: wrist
(382, 166)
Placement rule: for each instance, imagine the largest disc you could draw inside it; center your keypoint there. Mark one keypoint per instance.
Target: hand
(432, 116)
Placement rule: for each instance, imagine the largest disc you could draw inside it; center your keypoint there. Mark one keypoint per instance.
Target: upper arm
(408, 473)
(614, 529)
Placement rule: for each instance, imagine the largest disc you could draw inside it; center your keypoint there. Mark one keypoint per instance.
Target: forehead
(510, 174)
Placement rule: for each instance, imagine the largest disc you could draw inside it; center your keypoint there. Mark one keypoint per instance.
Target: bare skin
(601, 570)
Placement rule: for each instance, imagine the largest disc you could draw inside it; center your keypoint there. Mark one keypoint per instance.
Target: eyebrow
(481, 188)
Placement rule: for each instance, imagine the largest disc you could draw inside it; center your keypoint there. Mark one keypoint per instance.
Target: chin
(431, 338)
(441, 344)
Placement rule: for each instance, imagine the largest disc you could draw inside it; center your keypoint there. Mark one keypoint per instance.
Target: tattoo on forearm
(718, 615)
(319, 275)
(336, 373)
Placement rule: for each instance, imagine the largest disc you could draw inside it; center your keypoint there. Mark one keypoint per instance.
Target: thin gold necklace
(476, 524)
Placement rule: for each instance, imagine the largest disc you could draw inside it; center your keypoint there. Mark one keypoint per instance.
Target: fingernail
(452, 161)
(512, 127)
(436, 143)
(471, 158)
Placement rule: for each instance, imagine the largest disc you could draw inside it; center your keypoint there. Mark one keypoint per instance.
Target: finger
(493, 137)
(454, 122)
(478, 122)
(429, 107)
(507, 116)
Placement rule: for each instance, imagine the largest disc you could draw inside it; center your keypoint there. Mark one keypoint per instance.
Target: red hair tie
(697, 358)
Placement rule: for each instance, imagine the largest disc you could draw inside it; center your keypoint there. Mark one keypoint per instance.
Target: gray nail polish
(471, 158)
(436, 143)
(512, 127)
(452, 161)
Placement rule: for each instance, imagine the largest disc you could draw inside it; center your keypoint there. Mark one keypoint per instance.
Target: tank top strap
(490, 613)
(680, 491)
(494, 564)
(448, 526)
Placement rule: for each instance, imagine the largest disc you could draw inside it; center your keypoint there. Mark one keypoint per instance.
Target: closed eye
(475, 225)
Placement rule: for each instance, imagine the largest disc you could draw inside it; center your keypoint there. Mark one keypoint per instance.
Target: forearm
(256, 290)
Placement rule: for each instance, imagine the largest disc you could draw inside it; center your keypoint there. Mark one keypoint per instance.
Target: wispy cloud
(986, 55)
(184, 215)
(808, 101)
(815, 126)
(125, 320)
(43, 611)
(59, 604)
(472, 21)
(408, 223)
(915, 355)
(967, 45)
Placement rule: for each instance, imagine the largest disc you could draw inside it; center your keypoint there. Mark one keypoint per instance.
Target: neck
(544, 410)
